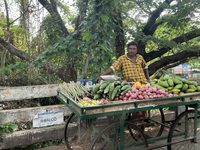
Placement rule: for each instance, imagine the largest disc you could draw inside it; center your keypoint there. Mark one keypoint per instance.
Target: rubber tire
(171, 131)
(65, 131)
(115, 124)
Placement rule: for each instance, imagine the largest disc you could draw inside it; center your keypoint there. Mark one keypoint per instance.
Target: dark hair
(132, 43)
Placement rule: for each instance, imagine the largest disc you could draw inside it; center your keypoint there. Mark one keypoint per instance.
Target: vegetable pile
(74, 90)
(176, 85)
(108, 90)
(144, 93)
(86, 102)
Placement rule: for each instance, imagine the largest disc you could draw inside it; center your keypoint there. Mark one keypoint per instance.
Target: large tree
(167, 38)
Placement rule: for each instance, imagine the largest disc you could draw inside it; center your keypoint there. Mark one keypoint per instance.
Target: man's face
(132, 50)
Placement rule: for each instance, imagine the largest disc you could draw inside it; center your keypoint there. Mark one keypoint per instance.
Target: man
(132, 66)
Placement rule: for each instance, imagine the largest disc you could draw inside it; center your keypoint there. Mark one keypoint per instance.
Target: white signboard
(48, 118)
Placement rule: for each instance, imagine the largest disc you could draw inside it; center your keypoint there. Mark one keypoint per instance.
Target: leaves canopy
(167, 32)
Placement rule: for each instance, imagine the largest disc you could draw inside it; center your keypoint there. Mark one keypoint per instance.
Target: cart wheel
(77, 133)
(184, 134)
(109, 138)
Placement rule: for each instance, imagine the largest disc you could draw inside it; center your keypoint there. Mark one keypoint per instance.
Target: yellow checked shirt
(131, 70)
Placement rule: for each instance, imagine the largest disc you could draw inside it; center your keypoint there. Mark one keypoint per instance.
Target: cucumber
(99, 91)
(104, 85)
(124, 83)
(117, 82)
(96, 88)
(115, 92)
(107, 88)
(111, 88)
(125, 87)
(97, 96)
(125, 91)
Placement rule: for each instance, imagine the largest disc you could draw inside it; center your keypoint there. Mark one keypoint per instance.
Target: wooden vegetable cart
(123, 134)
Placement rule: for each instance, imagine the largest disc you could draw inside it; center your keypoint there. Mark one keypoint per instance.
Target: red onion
(138, 87)
(86, 98)
(127, 95)
(140, 97)
(125, 98)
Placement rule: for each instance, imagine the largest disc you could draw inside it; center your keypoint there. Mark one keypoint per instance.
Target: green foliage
(97, 33)
(8, 128)
(52, 30)
(18, 65)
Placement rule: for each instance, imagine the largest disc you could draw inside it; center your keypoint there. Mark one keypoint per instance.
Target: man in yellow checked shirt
(132, 66)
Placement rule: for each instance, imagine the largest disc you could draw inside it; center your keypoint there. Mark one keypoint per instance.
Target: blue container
(81, 80)
(89, 82)
(182, 77)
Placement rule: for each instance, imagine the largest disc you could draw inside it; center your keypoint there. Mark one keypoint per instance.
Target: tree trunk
(119, 41)
(3, 58)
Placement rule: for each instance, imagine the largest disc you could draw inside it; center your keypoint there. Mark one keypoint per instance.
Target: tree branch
(52, 9)
(154, 16)
(180, 39)
(175, 64)
(153, 28)
(22, 14)
(23, 55)
(80, 18)
(142, 8)
(178, 57)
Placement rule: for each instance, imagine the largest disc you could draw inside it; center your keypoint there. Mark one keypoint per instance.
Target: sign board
(48, 118)
(182, 69)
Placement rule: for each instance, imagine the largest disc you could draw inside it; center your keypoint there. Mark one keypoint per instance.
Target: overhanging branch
(176, 63)
(52, 9)
(180, 39)
(172, 59)
(154, 16)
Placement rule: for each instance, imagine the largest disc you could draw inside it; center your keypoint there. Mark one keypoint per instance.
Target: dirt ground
(59, 147)
(63, 147)
(196, 146)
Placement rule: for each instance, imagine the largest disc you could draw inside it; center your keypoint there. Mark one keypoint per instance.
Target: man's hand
(98, 80)
(148, 80)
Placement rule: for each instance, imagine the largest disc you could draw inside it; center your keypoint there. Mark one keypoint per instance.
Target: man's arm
(146, 73)
(115, 67)
(109, 71)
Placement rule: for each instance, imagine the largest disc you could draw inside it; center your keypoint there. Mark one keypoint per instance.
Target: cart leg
(195, 123)
(123, 117)
(110, 138)
(79, 130)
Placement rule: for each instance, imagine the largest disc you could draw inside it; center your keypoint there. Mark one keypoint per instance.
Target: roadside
(63, 146)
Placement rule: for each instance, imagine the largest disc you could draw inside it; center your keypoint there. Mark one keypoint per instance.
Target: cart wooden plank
(191, 97)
